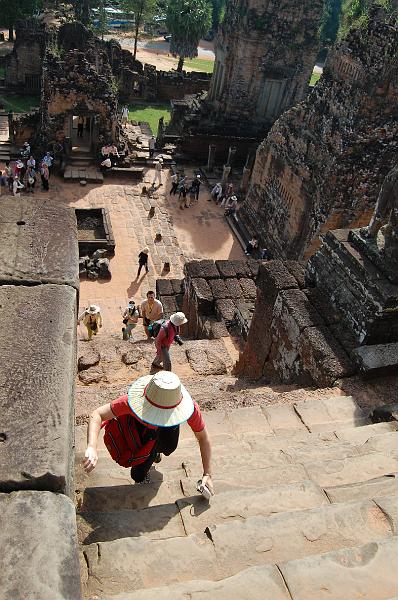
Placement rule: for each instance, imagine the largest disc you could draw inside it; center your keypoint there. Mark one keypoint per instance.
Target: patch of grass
(150, 113)
(19, 104)
(314, 79)
(200, 64)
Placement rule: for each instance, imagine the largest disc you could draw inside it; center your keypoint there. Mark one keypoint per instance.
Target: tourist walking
(145, 423)
(125, 115)
(25, 152)
(19, 165)
(130, 319)
(196, 187)
(158, 171)
(151, 146)
(92, 319)
(174, 184)
(45, 176)
(228, 193)
(17, 186)
(9, 175)
(143, 261)
(216, 193)
(151, 310)
(31, 162)
(80, 126)
(48, 161)
(169, 331)
(30, 180)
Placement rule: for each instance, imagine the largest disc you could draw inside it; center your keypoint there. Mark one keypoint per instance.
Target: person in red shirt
(159, 404)
(169, 332)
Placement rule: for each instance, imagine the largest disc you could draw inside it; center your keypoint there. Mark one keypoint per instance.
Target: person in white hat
(168, 332)
(92, 319)
(148, 419)
(158, 170)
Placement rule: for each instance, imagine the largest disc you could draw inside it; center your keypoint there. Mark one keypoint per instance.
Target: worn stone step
(157, 522)
(330, 413)
(360, 435)
(385, 443)
(303, 451)
(197, 513)
(368, 571)
(262, 583)
(386, 485)
(290, 535)
(356, 469)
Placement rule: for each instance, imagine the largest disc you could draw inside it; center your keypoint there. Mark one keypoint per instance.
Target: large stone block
(201, 268)
(273, 277)
(226, 268)
(297, 270)
(164, 287)
(37, 346)
(38, 242)
(380, 359)
(201, 292)
(248, 286)
(322, 356)
(39, 558)
(219, 289)
(234, 290)
(225, 310)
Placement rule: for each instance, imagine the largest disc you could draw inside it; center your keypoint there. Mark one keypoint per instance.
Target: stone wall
(322, 165)
(289, 336)
(38, 299)
(23, 65)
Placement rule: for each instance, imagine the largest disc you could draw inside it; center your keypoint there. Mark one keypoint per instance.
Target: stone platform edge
(39, 292)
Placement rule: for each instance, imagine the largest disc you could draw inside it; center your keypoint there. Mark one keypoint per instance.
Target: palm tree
(187, 21)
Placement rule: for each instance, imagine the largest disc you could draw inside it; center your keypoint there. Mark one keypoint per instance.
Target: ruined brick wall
(77, 79)
(23, 64)
(290, 338)
(323, 162)
(265, 53)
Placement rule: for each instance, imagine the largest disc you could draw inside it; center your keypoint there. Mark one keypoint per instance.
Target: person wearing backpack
(145, 423)
(168, 332)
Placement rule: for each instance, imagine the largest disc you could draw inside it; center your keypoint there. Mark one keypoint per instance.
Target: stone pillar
(231, 154)
(211, 158)
(247, 169)
(225, 174)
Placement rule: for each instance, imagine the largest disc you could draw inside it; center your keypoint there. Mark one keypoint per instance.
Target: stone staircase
(306, 507)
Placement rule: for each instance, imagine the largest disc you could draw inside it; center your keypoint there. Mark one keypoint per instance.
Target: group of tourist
(110, 157)
(164, 331)
(23, 173)
(188, 191)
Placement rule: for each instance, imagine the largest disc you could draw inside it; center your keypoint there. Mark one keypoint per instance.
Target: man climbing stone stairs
(306, 507)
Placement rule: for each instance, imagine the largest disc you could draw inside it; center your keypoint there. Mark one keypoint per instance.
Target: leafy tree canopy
(355, 13)
(187, 21)
(330, 22)
(12, 10)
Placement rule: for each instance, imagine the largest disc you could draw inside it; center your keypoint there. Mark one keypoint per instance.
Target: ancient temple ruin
(265, 55)
(323, 163)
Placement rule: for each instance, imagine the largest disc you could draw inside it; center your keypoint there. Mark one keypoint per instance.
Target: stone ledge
(37, 344)
(39, 542)
(39, 242)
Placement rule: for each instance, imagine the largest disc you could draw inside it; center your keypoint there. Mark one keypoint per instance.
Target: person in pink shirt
(168, 332)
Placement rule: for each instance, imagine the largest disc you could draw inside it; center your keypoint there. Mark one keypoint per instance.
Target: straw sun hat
(93, 309)
(160, 400)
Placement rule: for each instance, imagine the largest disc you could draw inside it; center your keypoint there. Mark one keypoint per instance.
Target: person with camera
(92, 319)
(168, 333)
(145, 423)
(130, 319)
(151, 310)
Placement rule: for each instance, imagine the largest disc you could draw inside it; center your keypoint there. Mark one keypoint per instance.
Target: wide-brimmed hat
(178, 319)
(160, 159)
(160, 400)
(145, 250)
(93, 309)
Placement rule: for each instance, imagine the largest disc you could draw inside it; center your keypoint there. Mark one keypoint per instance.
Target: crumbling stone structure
(77, 80)
(265, 55)
(23, 65)
(322, 165)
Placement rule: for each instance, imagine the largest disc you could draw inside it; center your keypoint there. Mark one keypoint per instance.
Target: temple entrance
(82, 132)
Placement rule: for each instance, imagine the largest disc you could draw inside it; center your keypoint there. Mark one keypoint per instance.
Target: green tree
(217, 13)
(12, 11)
(355, 13)
(330, 22)
(82, 11)
(187, 21)
(141, 11)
